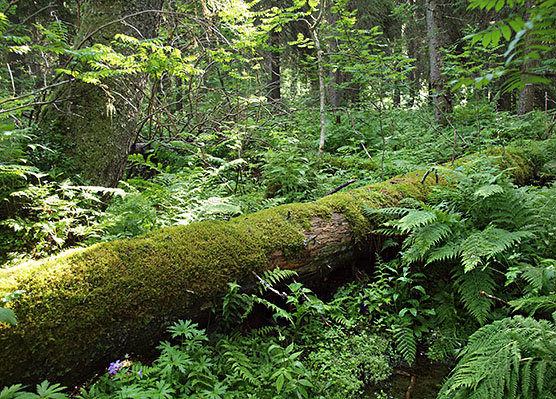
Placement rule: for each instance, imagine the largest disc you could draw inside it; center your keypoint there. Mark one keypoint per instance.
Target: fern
(535, 276)
(392, 211)
(278, 312)
(413, 220)
(447, 252)
(510, 358)
(239, 363)
(405, 342)
(278, 275)
(485, 244)
(533, 304)
(265, 331)
(469, 285)
(488, 190)
(424, 238)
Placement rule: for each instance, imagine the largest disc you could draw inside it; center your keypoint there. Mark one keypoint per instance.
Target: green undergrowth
(45, 208)
(311, 349)
(164, 274)
(116, 290)
(473, 259)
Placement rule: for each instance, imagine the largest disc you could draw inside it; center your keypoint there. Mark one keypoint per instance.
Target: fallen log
(87, 307)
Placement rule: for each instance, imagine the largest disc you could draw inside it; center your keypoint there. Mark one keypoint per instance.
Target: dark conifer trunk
(437, 40)
(526, 101)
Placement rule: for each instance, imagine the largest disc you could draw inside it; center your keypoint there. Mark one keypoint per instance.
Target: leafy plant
(510, 358)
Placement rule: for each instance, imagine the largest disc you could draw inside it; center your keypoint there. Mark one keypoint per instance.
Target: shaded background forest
(220, 100)
(118, 118)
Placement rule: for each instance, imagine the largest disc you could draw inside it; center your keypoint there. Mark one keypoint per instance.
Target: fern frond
(388, 232)
(469, 285)
(485, 244)
(510, 358)
(340, 319)
(277, 275)
(535, 276)
(414, 219)
(391, 211)
(448, 252)
(488, 190)
(238, 363)
(426, 237)
(512, 210)
(405, 342)
(265, 331)
(526, 377)
(277, 310)
(533, 304)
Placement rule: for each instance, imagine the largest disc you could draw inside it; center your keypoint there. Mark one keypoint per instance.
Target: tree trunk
(100, 121)
(322, 89)
(526, 102)
(88, 307)
(526, 99)
(436, 37)
(334, 75)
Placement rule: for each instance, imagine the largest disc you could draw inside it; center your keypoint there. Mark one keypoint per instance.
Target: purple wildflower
(139, 373)
(114, 367)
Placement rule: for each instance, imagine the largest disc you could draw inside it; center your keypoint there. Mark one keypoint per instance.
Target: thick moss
(87, 307)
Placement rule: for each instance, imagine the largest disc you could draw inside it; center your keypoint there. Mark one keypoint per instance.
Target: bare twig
(3, 111)
(340, 187)
(433, 169)
(482, 293)
(358, 135)
(412, 377)
(32, 93)
(265, 283)
(11, 78)
(410, 387)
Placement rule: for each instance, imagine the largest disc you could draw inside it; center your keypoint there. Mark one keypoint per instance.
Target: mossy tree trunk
(88, 307)
(100, 121)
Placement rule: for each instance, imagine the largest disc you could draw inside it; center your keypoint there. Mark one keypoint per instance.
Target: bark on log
(88, 307)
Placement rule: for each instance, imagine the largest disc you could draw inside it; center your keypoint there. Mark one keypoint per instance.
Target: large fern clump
(510, 358)
(481, 242)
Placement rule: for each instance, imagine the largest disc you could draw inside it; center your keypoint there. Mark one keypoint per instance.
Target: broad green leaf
(495, 37)
(490, 4)
(506, 32)
(7, 316)
(313, 3)
(279, 383)
(486, 39)
(517, 24)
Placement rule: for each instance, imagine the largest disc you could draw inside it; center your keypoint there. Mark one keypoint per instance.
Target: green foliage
(44, 390)
(529, 32)
(480, 235)
(324, 362)
(336, 352)
(510, 358)
(7, 316)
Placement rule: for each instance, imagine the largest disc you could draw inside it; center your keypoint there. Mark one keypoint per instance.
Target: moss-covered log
(87, 307)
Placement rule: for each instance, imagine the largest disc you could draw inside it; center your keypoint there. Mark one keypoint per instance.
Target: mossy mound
(87, 307)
